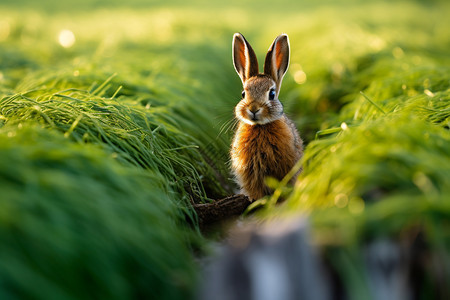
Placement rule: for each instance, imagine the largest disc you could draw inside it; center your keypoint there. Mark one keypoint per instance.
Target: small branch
(221, 209)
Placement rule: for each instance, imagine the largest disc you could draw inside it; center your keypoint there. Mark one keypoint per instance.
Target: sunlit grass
(70, 214)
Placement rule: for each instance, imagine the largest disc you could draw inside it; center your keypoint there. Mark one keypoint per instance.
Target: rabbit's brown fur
(259, 151)
(266, 142)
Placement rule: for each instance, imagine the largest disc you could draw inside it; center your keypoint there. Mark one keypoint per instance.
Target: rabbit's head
(260, 104)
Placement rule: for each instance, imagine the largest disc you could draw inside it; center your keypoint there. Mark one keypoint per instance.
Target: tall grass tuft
(76, 223)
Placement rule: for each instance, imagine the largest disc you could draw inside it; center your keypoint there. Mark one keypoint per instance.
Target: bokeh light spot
(300, 77)
(341, 200)
(66, 38)
(356, 205)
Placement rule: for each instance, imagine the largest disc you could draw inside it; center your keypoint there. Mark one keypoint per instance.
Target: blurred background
(115, 117)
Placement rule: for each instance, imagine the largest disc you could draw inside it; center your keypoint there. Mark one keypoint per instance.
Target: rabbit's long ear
(244, 58)
(277, 59)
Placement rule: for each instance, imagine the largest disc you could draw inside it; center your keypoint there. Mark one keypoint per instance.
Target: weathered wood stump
(267, 263)
(276, 260)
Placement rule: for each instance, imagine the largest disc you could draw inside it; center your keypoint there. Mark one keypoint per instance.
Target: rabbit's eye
(272, 94)
(243, 94)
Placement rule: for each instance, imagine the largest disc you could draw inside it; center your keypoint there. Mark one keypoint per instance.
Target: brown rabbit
(266, 142)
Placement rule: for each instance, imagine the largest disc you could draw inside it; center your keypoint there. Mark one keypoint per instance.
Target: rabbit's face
(259, 104)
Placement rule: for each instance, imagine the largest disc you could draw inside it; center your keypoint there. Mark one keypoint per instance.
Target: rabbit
(266, 143)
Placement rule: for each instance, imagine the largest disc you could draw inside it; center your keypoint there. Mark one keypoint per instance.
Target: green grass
(105, 144)
(76, 224)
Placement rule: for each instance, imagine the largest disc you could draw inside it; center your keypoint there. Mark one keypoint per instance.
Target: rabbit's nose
(252, 111)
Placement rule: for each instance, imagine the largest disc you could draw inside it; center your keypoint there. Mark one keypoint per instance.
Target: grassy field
(116, 116)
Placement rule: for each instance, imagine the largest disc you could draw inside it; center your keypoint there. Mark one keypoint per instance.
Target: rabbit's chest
(264, 150)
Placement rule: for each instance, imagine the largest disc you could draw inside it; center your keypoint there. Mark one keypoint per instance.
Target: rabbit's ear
(277, 59)
(244, 58)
